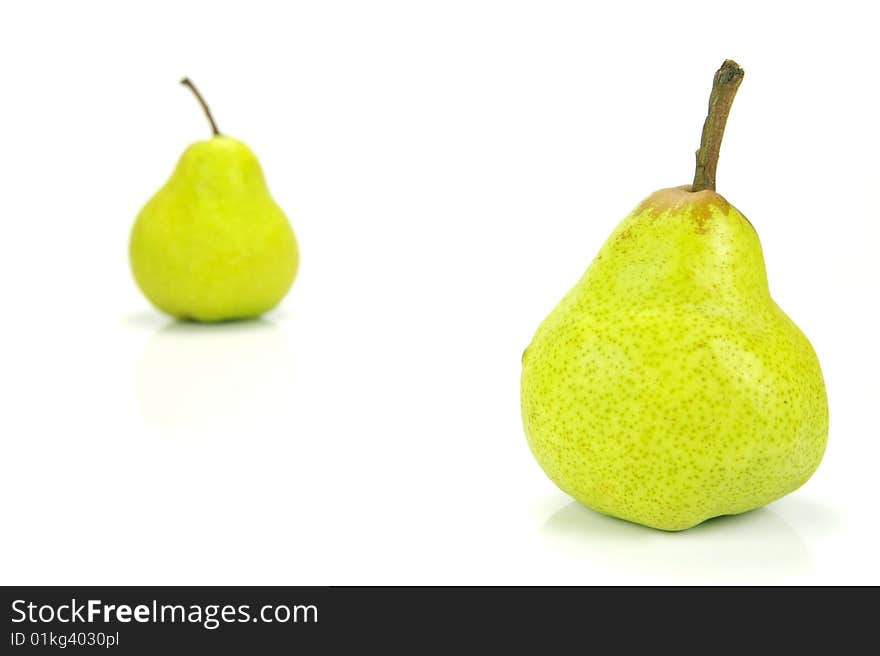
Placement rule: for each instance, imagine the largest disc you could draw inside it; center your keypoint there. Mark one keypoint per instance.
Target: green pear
(667, 387)
(212, 244)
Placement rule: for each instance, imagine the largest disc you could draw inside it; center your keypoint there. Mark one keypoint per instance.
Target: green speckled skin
(667, 387)
(212, 244)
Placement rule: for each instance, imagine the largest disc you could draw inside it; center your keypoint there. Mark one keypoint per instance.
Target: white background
(450, 169)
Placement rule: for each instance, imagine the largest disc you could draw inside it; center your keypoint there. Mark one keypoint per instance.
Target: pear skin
(212, 244)
(668, 387)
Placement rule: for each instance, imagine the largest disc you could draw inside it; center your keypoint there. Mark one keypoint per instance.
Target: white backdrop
(450, 169)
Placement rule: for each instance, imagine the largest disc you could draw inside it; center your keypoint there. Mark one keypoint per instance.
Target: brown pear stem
(726, 82)
(192, 87)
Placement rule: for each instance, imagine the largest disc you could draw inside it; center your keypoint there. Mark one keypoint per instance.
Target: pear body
(667, 387)
(212, 244)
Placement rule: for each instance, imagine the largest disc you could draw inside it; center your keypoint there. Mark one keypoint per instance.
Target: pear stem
(724, 86)
(192, 87)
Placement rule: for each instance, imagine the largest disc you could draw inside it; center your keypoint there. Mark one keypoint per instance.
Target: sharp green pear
(668, 387)
(212, 244)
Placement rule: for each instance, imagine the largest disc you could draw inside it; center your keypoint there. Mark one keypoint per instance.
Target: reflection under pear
(199, 380)
(733, 547)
